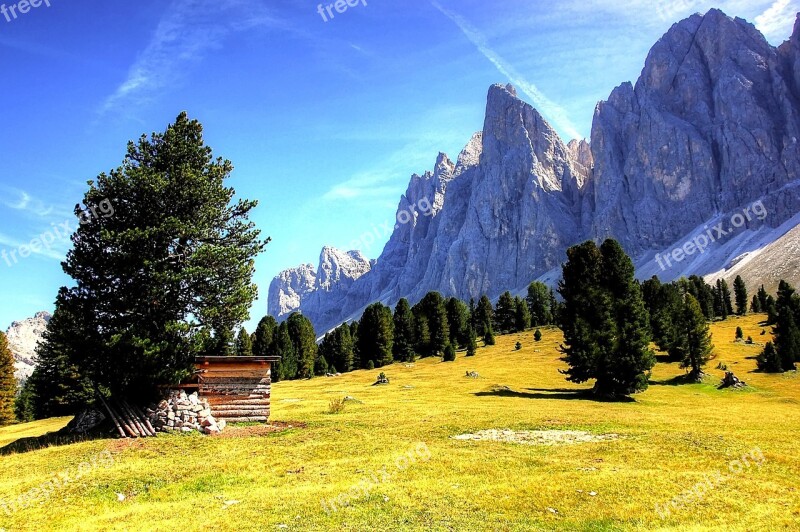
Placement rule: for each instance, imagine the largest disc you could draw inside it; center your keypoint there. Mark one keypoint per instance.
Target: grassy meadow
(390, 459)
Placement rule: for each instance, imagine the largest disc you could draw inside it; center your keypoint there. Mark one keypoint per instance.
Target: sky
(324, 118)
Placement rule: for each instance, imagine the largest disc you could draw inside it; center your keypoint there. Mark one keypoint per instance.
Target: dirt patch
(537, 437)
(250, 431)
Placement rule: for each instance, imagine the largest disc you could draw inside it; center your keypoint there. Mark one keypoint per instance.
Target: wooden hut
(237, 388)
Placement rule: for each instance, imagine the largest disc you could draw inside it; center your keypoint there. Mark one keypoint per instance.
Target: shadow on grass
(664, 359)
(555, 393)
(51, 439)
(680, 380)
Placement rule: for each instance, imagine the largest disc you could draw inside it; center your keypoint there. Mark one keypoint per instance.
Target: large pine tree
(167, 254)
(434, 309)
(484, 316)
(787, 326)
(286, 368)
(522, 316)
(8, 383)
(457, 321)
(605, 321)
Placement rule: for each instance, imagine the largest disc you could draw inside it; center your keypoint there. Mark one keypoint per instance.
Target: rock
(710, 128)
(222, 424)
(731, 381)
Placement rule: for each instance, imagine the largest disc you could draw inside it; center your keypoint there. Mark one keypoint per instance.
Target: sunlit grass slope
(670, 438)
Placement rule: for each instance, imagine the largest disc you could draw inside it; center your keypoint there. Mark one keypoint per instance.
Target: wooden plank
(242, 408)
(256, 419)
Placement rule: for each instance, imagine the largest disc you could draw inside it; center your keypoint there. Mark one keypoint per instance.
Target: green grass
(670, 437)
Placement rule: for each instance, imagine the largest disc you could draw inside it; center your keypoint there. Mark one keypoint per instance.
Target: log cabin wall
(237, 388)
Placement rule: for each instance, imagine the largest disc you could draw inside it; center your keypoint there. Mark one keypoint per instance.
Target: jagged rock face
(305, 288)
(711, 126)
(23, 337)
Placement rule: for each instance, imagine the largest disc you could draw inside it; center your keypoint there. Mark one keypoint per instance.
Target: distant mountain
(23, 337)
(708, 135)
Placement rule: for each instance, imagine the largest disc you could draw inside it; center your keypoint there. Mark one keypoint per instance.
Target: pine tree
(539, 304)
(696, 338)
(472, 314)
(755, 306)
(704, 293)
(8, 383)
(472, 342)
(264, 337)
(537, 336)
(483, 315)
(555, 309)
(786, 330)
(522, 316)
(320, 366)
(24, 404)
(244, 346)
(404, 332)
(376, 335)
(304, 340)
(433, 308)
(606, 329)
(740, 294)
(457, 321)
(343, 356)
(286, 368)
(772, 310)
(762, 298)
(449, 354)
(667, 317)
(769, 361)
(422, 332)
(505, 314)
(725, 294)
(739, 333)
(171, 255)
(488, 339)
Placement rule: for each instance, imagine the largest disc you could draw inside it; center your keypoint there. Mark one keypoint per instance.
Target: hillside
(669, 439)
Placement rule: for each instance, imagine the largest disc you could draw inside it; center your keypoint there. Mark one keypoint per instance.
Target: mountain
(694, 169)
(23, 336)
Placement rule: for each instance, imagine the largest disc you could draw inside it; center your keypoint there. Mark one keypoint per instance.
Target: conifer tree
(244, 346)
(539, 304)
(286, 368)
(739, 333)
(472, 342)
(449, 353)
(488, 339)
(304, 340)
(264, 337)
(484, 315)
(8, 383)
(171, 255)
(422, 333)
(404, 332)
(433, 308)
(537, 336)
(762, 298)
(740, 294)
(755, 305)
(505, 313)
(696, 338)
(769, 361)
(605, 321)
(786, 330)
(522, 316)
(376, 335)
(342, 356)
(457, 321)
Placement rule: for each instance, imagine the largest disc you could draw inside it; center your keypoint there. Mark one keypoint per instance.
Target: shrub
(537, 336)
(769, 360)
(370, 365)
(749, 340)
(518, 346)
(739, 333)
(489, 338)
(336, 406)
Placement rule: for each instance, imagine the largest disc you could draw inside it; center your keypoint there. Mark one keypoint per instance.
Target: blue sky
(324, 121)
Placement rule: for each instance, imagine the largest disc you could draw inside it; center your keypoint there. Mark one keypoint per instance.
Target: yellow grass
(671, 436)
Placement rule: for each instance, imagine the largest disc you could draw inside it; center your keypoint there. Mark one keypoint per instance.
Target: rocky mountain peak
(23, 337)
(337, 267)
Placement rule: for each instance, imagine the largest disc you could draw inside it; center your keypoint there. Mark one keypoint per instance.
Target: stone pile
(184, 413)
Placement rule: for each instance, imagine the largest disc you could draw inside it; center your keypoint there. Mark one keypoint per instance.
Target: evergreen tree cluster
(782, 355)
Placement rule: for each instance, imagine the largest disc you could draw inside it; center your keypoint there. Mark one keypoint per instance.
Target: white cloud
(19, 200)
(187, 31)
(777, 21)
(547, 107)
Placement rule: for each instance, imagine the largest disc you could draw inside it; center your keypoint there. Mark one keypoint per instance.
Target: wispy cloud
(19, 200)
(39, 251)
(777, 21)
(187, 31)
(546, 106)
